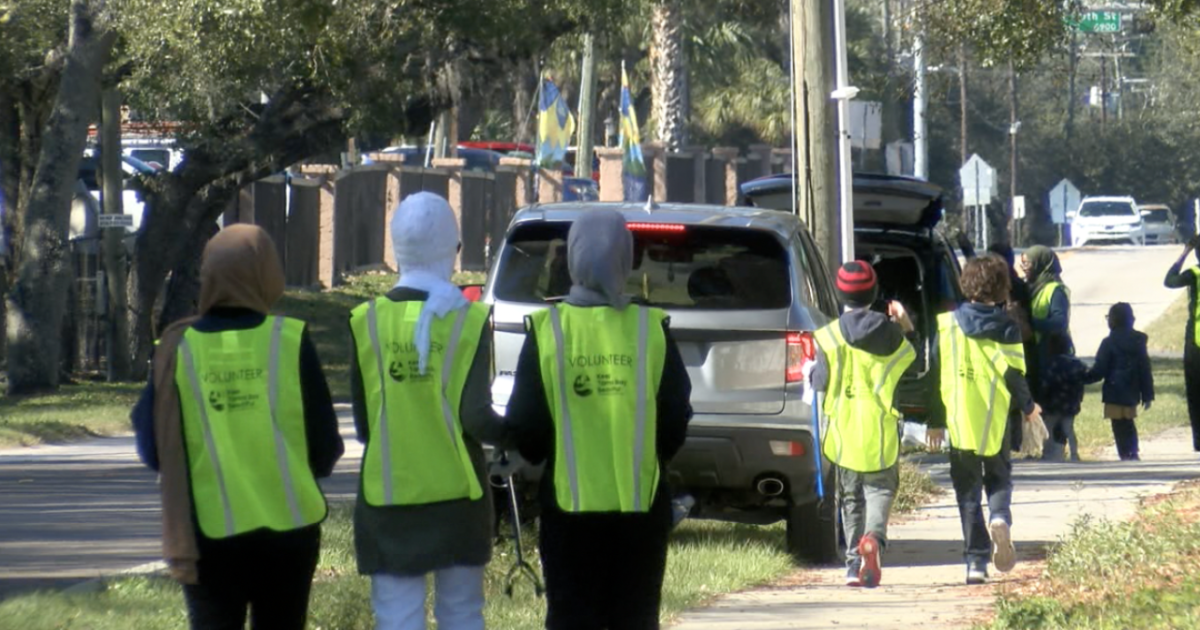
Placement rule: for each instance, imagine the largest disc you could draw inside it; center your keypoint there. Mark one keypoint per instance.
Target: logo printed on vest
(583, 386)
(231, 397)
(967, 372)
(215, 399)
(396, 371)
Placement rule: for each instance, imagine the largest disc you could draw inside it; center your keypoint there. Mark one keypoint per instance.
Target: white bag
(1034, 435)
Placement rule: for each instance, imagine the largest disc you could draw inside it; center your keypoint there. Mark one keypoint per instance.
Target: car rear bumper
(727, 459)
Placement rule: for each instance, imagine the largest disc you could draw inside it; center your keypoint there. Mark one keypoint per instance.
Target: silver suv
(745, 289)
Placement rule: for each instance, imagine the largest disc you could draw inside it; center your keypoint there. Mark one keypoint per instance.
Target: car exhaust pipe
(770, 487)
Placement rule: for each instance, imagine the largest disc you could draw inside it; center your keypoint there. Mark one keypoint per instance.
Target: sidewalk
(924, 575)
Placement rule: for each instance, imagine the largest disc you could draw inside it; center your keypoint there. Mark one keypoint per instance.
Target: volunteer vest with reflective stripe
(863, 433)
(1196, 314)
(602, 369)
(415, 451)
(1041, 303)
(973, 387)
(243, 424)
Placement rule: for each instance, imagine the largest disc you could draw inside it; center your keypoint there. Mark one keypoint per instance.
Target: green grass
(1168, 411)
(1143, 573)
(917, 488)
(706, 560)
(1166, 332)
(75, 412)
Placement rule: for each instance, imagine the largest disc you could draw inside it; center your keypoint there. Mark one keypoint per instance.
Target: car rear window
(674, 266)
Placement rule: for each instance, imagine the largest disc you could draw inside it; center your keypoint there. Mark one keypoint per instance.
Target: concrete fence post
(728, 157)
(454, 193)
(612, 173)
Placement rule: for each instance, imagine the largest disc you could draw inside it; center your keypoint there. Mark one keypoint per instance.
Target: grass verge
(1143, 573)
(917, 488)
(706, 560)
(74, 412)
(1166, 332)
(1168, 411)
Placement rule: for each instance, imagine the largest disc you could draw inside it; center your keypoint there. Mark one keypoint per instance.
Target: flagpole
(537, 135)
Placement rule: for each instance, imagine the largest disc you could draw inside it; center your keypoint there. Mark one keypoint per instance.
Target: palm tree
(669, 70)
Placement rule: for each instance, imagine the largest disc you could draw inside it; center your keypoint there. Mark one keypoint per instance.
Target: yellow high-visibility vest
(863, 433)
(243, 425)
(415, 451)
(973, 387)
(1041, 304)
(602, 369)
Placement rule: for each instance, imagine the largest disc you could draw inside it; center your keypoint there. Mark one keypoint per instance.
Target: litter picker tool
(521, 567)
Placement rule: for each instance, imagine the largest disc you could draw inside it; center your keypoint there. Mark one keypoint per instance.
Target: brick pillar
(782, 157)
(454, 167)
(728, 156)
(655, 154)
(392, 198)
(550, 185)
(524, 187)
(612, 172)
(699, 174)
(326, 274)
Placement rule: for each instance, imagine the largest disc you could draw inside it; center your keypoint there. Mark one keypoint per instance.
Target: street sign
(1018, 207)
(978, 181)
(1099, 22)
(113, 221)
(1064, 198)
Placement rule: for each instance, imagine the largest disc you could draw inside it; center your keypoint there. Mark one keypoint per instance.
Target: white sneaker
(1004, 555)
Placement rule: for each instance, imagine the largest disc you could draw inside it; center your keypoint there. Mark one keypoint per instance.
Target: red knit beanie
(856, 284)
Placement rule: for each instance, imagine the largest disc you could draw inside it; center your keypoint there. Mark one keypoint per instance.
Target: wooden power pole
(112, 176)
(816, 152)
(587, 109)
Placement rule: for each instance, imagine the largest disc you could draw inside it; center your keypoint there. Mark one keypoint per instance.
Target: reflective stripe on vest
(238, 462)
(861, 389)
(1040, 309)
(973, 388)
(415, 453)
(606, 449)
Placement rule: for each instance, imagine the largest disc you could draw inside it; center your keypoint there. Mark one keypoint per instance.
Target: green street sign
(1099, 22)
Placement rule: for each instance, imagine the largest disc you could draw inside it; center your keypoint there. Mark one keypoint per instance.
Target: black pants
(1126, 436)
(605, 571)
(971, 475)
(266, 572)
(1191, 379)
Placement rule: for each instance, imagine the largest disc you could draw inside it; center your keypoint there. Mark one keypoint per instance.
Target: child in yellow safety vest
(980, 363)
(861, 357)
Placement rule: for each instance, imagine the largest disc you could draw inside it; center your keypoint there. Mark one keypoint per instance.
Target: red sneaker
(872, 569)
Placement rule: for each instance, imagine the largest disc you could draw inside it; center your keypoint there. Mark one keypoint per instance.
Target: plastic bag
(1034, 435)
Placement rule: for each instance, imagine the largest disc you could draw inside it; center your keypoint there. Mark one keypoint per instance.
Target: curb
(97, 584)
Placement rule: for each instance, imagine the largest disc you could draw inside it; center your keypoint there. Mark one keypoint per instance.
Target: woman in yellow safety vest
(1051, 305)
(601, 395)
(1178, 278)
(238, 420)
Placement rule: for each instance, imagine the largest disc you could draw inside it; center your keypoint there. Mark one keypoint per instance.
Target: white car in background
(1108, 220)
(1160, 224)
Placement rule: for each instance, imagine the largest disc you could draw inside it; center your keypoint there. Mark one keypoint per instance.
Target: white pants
(399, 602)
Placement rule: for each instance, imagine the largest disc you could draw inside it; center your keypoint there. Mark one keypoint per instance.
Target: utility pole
(800, 155)
(1103, 91)
(818, 162)
(587, 109)
(1073, 70)
(920, 142)
(116, 331)
(1014, 127)
(968, 222)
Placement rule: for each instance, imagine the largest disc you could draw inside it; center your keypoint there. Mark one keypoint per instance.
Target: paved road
(69, 513)
(1099, 277)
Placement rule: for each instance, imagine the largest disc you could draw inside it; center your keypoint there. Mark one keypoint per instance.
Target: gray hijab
(600, 259)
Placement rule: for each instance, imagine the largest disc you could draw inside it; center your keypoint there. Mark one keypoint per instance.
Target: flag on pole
(633, 176)
(556, 126)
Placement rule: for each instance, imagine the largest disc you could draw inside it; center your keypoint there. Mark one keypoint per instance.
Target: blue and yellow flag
(633, 176)
(556, 126)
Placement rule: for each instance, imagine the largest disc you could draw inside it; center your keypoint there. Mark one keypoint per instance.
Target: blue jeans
(972, 474)
(399, 601)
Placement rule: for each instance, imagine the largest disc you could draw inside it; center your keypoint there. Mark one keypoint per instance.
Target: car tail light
(787, 448)
(801, 349)
(669, 228)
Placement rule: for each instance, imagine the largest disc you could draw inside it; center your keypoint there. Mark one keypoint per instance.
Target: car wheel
(813, 530)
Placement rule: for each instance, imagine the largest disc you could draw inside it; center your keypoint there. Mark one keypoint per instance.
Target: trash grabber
(521, 567)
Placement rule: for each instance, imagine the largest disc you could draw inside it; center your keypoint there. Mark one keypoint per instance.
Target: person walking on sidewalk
(1123, 363)
(980, 365)
(1051, 308)
(1178, 278)
(238, 420)
(601, 395)
(421, 387)
(1062, 384)
(861, 357)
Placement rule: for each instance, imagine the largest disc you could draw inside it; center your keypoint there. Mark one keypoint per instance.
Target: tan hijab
(240, 268)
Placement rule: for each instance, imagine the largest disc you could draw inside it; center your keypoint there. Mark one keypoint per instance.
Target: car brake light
(801, 349)
(787, 448)
(673, 228)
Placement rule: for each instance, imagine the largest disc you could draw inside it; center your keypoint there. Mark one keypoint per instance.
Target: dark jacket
(532, 426)
(1179, 278)
(982, 321)
(866, 330)
(1124, 365)
(325, 445)
(418, 539)
(1062, 385)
